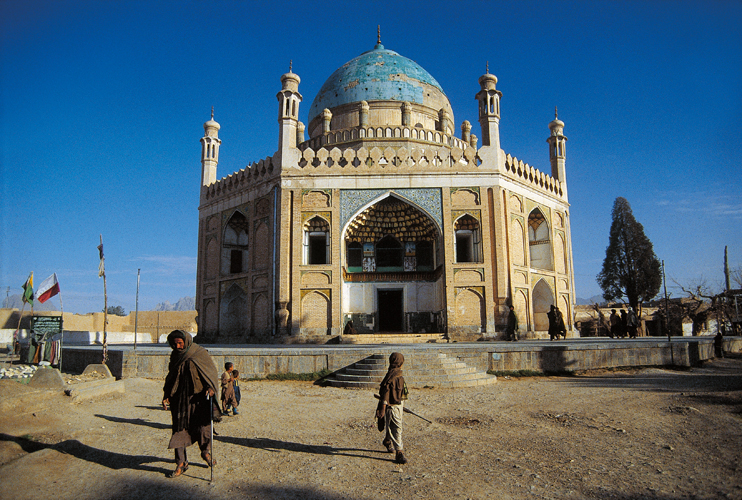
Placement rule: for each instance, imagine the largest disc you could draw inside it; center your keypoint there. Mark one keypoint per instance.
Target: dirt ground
(648, 433)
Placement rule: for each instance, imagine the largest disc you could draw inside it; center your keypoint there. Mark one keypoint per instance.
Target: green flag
(28, 290)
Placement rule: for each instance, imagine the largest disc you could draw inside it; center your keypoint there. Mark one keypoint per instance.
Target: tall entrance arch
(392, 269)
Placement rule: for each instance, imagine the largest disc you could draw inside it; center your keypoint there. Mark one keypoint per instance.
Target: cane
(211, 420)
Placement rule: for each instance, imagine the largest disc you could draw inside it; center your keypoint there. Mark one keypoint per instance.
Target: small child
(228, 399)
(236, 383)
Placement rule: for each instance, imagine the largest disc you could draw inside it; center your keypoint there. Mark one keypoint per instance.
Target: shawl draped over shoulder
(391, 389)
(190, 373)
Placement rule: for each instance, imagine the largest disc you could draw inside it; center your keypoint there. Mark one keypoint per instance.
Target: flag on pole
(101, 266)
(48, 289)
(28, 290)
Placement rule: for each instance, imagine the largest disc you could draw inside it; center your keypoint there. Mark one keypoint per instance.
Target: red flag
(48, 289)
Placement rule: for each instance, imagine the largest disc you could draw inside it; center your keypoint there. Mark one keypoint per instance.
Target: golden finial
(556, 115)
(488, 68)
(291, 64)
(212, 112)
(378, 33)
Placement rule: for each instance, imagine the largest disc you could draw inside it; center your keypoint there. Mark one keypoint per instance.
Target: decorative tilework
(428, 199)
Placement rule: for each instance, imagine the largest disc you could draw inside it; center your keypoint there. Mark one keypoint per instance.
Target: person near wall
(632, 323)
(189, 390)
(392, 393)
(615, 324)
(512, 328)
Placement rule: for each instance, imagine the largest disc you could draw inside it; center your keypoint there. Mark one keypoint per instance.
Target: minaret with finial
(489, 110)
(558, 150)
(210, 143)
(288, 110)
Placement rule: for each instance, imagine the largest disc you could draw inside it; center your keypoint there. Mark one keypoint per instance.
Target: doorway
(391, 310)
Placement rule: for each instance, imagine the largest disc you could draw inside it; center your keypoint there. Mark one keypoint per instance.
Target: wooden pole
(105, 307)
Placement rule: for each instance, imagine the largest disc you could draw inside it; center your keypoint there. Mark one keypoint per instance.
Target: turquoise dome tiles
(376, 75)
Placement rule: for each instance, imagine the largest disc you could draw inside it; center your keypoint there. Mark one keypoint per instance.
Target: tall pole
(136, 313)
(667, 311)
(105, 311)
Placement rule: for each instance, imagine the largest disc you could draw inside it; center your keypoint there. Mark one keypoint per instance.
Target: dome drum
(379, 114)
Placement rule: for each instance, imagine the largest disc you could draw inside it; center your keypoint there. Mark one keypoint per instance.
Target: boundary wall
(151, 361)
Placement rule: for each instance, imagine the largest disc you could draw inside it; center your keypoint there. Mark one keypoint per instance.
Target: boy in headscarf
(392, 393)
(189, 391)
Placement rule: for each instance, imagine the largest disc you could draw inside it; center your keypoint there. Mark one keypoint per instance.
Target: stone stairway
(395, 338)
(420, 370)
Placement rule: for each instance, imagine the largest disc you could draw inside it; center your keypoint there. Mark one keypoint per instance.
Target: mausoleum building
(381, 210)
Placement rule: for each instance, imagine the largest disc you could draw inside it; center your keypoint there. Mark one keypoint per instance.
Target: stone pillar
(406, 114)
(326, 119)
(363, 114)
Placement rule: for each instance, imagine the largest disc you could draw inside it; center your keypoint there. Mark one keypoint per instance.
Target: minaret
(557, 150)
(489, 110)
(288, 110)
(210, 151)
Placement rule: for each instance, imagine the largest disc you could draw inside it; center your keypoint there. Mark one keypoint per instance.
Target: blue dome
(376, 75)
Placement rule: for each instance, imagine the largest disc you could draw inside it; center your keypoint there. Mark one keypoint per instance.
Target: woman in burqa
(191, 377)
(392, 393)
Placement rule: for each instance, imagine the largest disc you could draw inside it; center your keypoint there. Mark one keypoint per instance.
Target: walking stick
(211, 420)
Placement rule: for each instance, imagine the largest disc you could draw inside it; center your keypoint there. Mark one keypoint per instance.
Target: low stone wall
(151, 361)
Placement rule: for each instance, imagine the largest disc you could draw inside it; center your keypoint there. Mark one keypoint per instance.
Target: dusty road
(649, 433)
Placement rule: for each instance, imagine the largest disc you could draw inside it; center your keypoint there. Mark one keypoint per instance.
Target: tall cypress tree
(630, 269)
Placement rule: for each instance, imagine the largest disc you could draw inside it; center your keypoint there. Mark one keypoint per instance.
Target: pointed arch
(543, 299)
(317, 240)
(468, 239)
(390, 234)
(517, 243)
(233, 312)
(470, 310)
(539, 241)
(235, 245)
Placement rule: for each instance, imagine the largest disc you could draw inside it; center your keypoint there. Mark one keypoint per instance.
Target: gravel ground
(649, 433)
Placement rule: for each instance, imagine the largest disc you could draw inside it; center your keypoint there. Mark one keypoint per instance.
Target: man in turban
(190, 387)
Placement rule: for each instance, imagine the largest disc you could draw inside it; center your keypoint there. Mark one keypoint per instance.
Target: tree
(116, 310)
(630, 269)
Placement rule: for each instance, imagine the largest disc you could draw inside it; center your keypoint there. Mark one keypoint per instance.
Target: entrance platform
(560, 356)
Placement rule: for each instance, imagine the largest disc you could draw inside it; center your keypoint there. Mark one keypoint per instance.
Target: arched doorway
(389, 248)
(543, 299)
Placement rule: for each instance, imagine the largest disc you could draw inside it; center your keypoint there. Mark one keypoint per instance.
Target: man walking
(189, 392)
(512, 328)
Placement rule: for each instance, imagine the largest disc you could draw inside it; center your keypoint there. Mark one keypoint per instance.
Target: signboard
(47, 325)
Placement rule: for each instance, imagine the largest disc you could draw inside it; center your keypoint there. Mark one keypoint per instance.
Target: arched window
(234, 247)
(316, 241)
(389, 255)
(354, 257)
(539, 241)
(468, 239)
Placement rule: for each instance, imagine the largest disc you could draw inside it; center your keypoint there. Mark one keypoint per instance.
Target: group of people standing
(190, 395)
(625, 324)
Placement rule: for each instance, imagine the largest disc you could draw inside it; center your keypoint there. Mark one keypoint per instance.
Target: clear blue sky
(103, 104)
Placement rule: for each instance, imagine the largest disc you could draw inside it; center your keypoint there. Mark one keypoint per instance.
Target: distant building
(383, 216)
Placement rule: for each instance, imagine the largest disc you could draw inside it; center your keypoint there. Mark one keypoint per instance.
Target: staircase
(394, 338)
(420, 370)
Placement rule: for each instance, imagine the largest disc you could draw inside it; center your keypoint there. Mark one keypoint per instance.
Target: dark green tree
(631, 270)
(116, 310)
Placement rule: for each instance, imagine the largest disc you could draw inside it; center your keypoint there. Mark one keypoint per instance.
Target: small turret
(210, 151)
(557, 149)
(288, 109)
(489, 110)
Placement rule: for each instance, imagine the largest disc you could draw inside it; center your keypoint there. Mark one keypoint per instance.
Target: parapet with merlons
(417, 158)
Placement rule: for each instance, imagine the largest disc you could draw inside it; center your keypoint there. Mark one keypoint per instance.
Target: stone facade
(382, 216)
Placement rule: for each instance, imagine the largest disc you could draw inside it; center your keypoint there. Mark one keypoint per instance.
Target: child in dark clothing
(235, 381)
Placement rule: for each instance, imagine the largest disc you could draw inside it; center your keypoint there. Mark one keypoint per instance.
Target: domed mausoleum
(375, 212)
